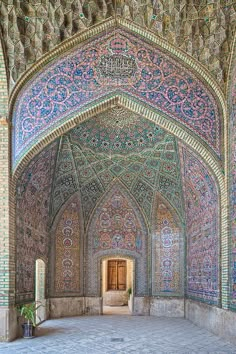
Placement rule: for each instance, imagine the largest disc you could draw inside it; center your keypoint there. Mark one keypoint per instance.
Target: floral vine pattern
(202, 230)
(32, 210)
(167, 253)
(110, 63)
(67, 250)
(117, 227)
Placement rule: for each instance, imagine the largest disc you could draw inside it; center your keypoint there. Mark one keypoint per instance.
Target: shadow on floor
(47, 331)
(116, 310)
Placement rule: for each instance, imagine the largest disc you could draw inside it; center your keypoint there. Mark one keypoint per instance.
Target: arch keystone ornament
(115, 62)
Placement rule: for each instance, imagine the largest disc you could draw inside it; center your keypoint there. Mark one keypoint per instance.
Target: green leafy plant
(129, 291)
(28, 311)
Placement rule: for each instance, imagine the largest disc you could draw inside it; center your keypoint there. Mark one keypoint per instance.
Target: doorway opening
(117, 285)
(116, 274)
(40, 270)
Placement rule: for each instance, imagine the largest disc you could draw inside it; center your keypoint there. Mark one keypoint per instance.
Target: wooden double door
(116, 274)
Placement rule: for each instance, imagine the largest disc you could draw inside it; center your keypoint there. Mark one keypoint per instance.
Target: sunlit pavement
(119, 334)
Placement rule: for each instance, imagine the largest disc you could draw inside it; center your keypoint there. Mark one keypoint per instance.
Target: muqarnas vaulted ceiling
(125, 147)
(203, 29)
(112, 64)
(117, 131)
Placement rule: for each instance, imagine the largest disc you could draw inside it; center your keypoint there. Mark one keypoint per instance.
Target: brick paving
(119, 334)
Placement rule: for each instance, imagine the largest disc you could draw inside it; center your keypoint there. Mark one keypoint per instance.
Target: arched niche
(66, 265)
(32, 204)
(177, 114)
(40, 290)
(117, 228)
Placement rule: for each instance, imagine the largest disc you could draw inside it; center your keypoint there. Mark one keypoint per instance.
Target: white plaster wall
(166, 307)
(115, 298)
(67, 306)
(141, 305)
(93, 305)
(74, 306)
(104, 275)
(219, 321)
(130, 270)
(160, 307)
(8, 324)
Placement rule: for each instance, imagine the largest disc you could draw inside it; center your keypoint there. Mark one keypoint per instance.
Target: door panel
(112, 278)
(121, 275)
(116, 275)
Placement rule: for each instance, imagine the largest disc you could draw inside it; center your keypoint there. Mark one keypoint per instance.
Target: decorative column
(7, 262)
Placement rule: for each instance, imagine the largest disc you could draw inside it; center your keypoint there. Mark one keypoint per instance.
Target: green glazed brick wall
(4, 215)
(6, 251)
(3, 87)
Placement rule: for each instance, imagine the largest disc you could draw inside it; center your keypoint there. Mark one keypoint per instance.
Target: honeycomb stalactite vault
(202, 29)
(121, 125)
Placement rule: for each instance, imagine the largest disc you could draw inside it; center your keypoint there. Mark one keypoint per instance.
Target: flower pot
(28, 330)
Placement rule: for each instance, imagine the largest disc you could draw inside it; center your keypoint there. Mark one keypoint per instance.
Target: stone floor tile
(113, 334)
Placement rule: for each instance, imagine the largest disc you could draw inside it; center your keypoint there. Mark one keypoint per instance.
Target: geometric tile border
(231, 178)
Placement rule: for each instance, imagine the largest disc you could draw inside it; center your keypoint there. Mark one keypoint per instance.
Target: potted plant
(28, 311)
(130, 300)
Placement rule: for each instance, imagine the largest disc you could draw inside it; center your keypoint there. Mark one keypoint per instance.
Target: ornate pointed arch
(66, 254)
(167, 112)
(117, 228)
(175, 90)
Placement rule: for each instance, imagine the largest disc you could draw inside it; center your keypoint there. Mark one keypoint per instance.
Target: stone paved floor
(116, 310)
(119, 334)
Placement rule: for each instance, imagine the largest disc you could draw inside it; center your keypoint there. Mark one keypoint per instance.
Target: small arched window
(40, 270)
